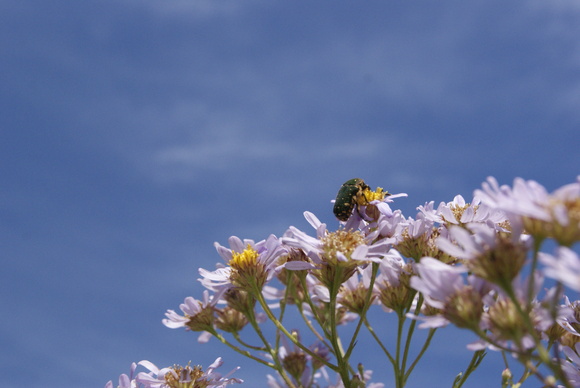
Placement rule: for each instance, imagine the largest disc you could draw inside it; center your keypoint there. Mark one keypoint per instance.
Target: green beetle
(347, 196)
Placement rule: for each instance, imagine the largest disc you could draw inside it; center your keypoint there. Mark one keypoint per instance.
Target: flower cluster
(476, 265)
(175, 377)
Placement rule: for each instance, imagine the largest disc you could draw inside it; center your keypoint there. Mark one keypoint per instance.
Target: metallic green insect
(347, 196)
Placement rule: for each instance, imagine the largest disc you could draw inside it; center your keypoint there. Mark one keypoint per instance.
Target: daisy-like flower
(390, 226)
(392, 284)
(353, 293)
(250, 265)
(492, 256)
(198, 315)
(185, 377)
(334, 256)
(508, 327)
(444, 288)
(125, 381)
(529, 205)
(415, 239)
(564, 267)
(459, 212)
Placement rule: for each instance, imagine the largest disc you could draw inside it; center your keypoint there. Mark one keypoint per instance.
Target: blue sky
(135, 133)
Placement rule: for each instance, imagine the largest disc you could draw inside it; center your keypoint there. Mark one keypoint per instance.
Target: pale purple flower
(391, 268)
(567, 317)
(268, 252)
(418, 228)
(447, 288)
(429, 212)
(540, 314)
(527, 198)
(217, 280)
(474, 212)
(467, 246)
(391, 226)
(191, 307)
(156, 378)
(391, 287)
(563, 267)
(313, 247)
(437, 281)
(125, 381)
(571, 365)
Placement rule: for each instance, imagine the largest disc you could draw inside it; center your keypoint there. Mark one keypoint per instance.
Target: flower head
(334, 256)
(444, 288)
(529, 205)
(493, 256)
(392, 284)
(250, 265)
(185, 376)
(460, 212)
(197, 315)
(353, 293)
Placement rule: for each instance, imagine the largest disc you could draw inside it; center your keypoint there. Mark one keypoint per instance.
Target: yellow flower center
(246, 259)
(185, 377)
(344, 241)
(368, 195)
(459, 210)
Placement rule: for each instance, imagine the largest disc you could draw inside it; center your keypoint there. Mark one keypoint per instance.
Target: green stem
(291, 337)
(273, 352)
(534, 265)
(314, 310)
(240, 351)
(410, 332)
(387, 353)
(341, 361)
(308, 323)
(476, 359)
(423, 350)
(244, 343)
(362, 315)
(399, 371)
(558, 373)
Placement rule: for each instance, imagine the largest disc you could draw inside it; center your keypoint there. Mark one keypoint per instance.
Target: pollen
(344, 241)
(246, 259)
(367, 195)
(248, 272)
(185, 377)
(459, 210)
